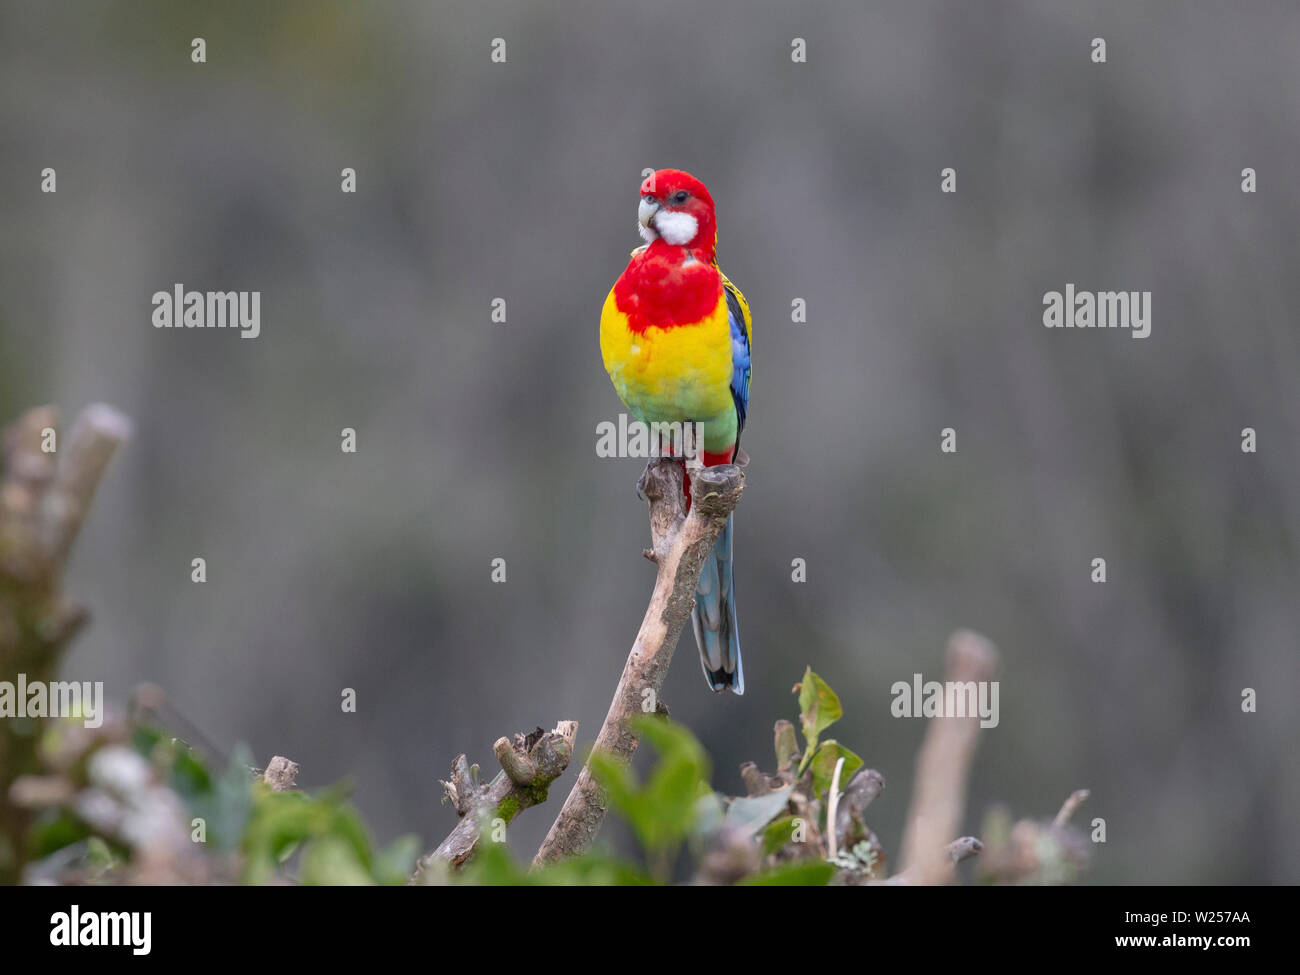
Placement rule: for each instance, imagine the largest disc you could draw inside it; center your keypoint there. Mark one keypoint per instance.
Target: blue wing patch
(738, 314)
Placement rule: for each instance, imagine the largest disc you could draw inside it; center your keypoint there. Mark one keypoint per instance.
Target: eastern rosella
(675, 336)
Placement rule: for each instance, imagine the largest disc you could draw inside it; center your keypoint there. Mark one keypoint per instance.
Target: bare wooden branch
(280, 774)
(1072, 802)
(529, 764)
(756, 783)
(28, 473)
(730, 856)
(95, 437)
(850, 816)
(518, 766)
(785, 744)
(45, 493)
(460, 790)
(1035, 851)
(680, 545)
(942, 769)
(964, 848)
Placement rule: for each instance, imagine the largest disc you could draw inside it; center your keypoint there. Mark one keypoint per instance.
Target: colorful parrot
(675, 336)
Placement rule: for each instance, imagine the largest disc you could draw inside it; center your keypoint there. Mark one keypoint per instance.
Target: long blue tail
(714, 619)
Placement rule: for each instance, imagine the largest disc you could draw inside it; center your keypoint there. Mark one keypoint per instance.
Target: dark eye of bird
(681, 196)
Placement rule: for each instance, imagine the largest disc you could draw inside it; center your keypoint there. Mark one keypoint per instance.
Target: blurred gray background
(519, 180)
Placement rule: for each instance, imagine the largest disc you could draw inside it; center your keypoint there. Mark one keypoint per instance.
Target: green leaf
(492, 866)
(803, 873)
(621, 789)
(663, 810)
(229, 806)
(819, 708)
(99, 855)
(333, 862)
(823, 766)
(752, 813)
(190, 777)
(55, 829)
(777, 834)
(590, 870)
(709, 814)
(282, 821)
(146, 737)
(394, 865)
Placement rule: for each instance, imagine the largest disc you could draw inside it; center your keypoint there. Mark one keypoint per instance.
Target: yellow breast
(669, 374)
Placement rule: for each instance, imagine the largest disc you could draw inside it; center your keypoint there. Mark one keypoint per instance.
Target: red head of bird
(677, 209)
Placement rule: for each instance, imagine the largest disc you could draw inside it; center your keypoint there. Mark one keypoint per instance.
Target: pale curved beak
(646, 212)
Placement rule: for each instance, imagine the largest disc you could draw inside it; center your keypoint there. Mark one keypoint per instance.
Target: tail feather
(714, 618)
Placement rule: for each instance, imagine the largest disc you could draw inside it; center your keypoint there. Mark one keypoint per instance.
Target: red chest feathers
(660, 288)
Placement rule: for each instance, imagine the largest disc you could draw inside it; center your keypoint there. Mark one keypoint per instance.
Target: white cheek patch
(676, 228)
(647, 233)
